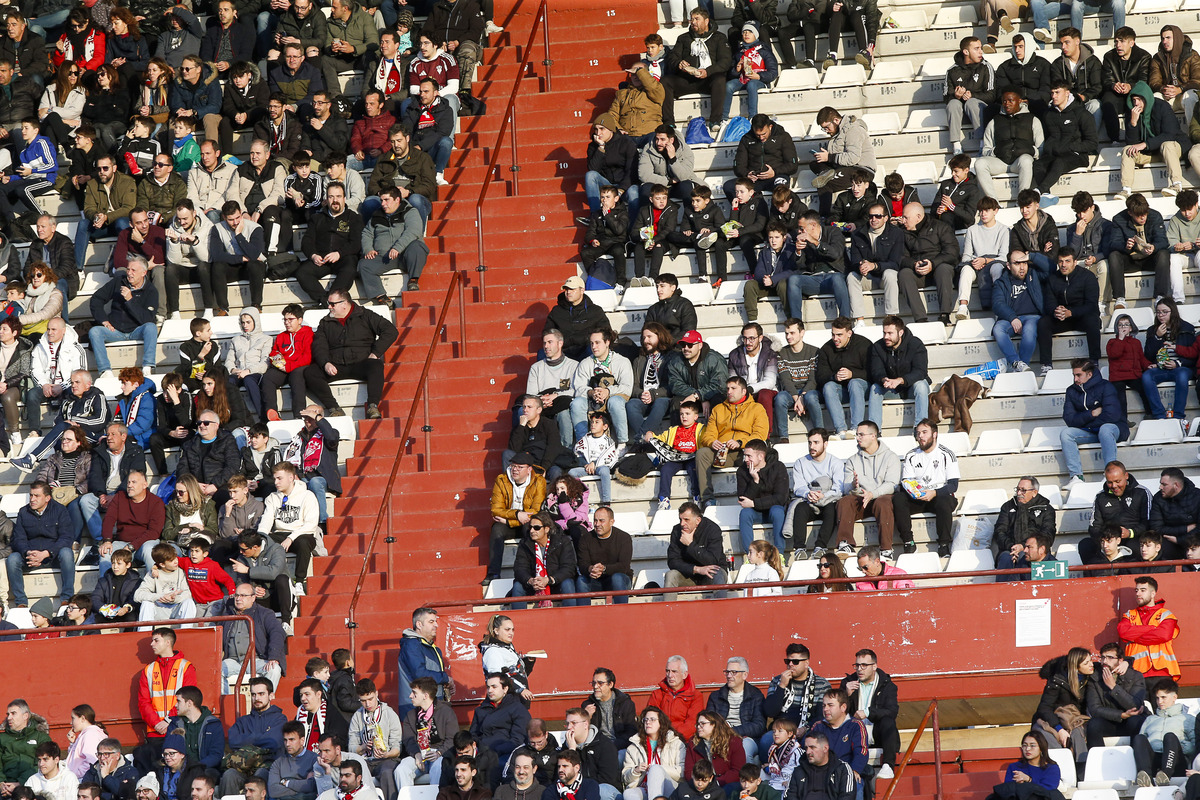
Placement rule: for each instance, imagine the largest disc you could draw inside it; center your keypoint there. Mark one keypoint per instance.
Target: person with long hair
(569, 505)
(765, 565)
(44, 300)
(82, 41)
(1127, 362)
(654, 758)
(1035, 765)
(127, 50)
(66, 470)
(107, 106)
(176, 420)
(155, 90)
(829, 566)
(16, 367)
(1067, 679)
(61, 107)
(648, 405)
(715, 741)
(1168, 332)
(497, 654)
(85, 736)
(189, 514)
(230, 408)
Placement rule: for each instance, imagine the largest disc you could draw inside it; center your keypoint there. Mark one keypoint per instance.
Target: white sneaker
(441, 180)
(107, 375)
(1076, 480)
(14, 441)
(494, 28)
(1124, 193)
(1020, 366)
(176, 315)
(1043, 35)
(963, 312)
(208, 313)
(956, 149)
(848, 434)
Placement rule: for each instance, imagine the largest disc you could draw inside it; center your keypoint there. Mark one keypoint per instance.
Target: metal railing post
(427, 428)
(462, 314)
(937, 750)
(546, 62)
(512, 138)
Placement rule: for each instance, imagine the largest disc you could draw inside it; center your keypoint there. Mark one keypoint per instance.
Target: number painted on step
(593, 62)
(456, 497)
(903, 38)
(475, 437)
(508, 326)
(525, 271)
(492, 381)
(437, 554)
(578, 114)
(543, 217)
(563, 165)
(610, 13)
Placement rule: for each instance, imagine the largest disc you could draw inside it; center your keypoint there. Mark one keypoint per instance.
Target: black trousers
(500, 533)
(640, 254)
(1047, 170)
(158, 444)
(886, 737)
(853, 12)
(369, 370)
(1124, 386)
(1098, 728)
(904, 506)
(911, 284)
(679, 83)
(303, 547)
(176, 276)
(274, 378)
(803, 514)
(1112, 109)
(279, 595)
(309, 277)
(590, 254)
(719, 251)
(223, 273)
(1120, 263)
(1048, 326)
(1170, 761)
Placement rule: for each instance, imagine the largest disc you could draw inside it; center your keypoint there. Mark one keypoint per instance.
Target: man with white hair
(132, 303)
(85, 406)
(56, 356)
(678, 698)
(741, 704)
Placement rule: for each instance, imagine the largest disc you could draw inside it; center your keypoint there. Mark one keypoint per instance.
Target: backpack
(735, 129)
(166, 488)
(697, 132)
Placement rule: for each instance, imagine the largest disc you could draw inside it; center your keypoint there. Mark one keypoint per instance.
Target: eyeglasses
(72, 608)
(599, 683)
(537, 527)
(689, 344)
(162, 163)
(824, 565)
(794, 661)
(204, 422)
(1021, 490)
(876, 216)
(104, 169)
(333, 303)
(734, 671)
(864, 665)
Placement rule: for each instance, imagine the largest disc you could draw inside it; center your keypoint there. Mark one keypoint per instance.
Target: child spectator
(205, 578)
(783, 756)
(184, 149)
(747, 219)
(597, 453)
(776, 263)
(246, 357)
(189, 514)
(753, 786)
(289, 356)
(676, 450)
(700, 227)
(896, 196)
(958, 196)
(654, 223)
(259, 458)
(303, 189)
(139, 148)
(42, 614)
(164, 592)
(198, 355)
(52, 781)
(850, 209)
(135, 406)
(241, 513)
(767, 565)
(15, 307)
(786, 208)
(112, 598)
(985, 254)
(700, 784)
(606, 234)
(569, 506)
(176, 419)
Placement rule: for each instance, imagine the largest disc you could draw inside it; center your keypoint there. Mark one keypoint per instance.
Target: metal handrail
(510, 116)
(420, 400)
(1130, 569)
(931, 715)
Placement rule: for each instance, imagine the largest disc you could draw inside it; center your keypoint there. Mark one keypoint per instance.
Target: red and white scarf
(425, 728)
(314, 725)
(539, 571)
(311, 458)
(757, 62)
(388, 78)
(568, 792)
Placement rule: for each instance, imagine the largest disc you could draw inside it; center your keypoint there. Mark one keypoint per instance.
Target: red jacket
(680, 707)
(1146, 634)
(296, 351)
(206, 579)
(145, 707)
(371, 133)
(1126, 359)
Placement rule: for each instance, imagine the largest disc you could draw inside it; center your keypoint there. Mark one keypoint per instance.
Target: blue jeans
(441, 154)
(368, 162)
(801, 286)
(85, 233)
(16, 574)
(1044, 11)
(605, 476)
(918, 392)
(89, 508)
(592, 182)
(521, 590)
(1081, 7)
(618, 582)
(40, 25)
(667, 471)
(616, 410)
(644, 418)
(1002, 332)
(318, 486)
(855, 391)
(147, 334)
(1071, 438)
(749, 516)
(752, 88)
(142, 554)
(1152, 377)
(784, 403)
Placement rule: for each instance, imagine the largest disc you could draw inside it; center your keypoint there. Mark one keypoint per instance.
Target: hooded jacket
(1016, 522)
(502, 497)
(312, 30)
(1171, 516)
(1057, 691)
(249, 350)
(706, 378)
(851, 145)
(501, 726)
(1007, 289)
(682, 706)
(205, 735)
(855, 356)
(17, 758)
(203, 97)
(677, 314)
(1129, 510)
(1045, 231)
(1095, 393)
(1086, 80)
(617, 162)
(1090, 243)
(1114, 69)
(978, 79)
(357, 30)
(1180, 67)
(1031, 75)
(877, 473)
(259, 729)
(560, 567)
(771, 489)
(933, 240)
(575, 322)
(422, 659)
(654, 167)
(754, 155)
(909, 360)
(1157, 124)
(839, 783)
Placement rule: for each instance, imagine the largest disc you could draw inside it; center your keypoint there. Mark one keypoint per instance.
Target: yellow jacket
(745, 421)
(502, 496)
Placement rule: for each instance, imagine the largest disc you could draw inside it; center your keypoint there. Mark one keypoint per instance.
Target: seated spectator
(1117, 702)
(389, 75)
(1173, 511)
(553, 572)
(52, 778)
(648, 234)
(290, 518)
(898, 367)
(672, 310)
(1150, 546)
(666, 160)
(928, 479)
(45, 299)
(716, 741)
(500, 720)
(1017, 303)
(595, 454)
(786, 208)
(1092, 414)
(700, 227)
(431, 125)
(66, 470)
(236, 244)
(637, 106)
(466, 745)
(260, 184)
(1035, 765)
(34, 174)
(1175, 69)
(244, 102)
(1088, 238)
(350, 344)
(756, 362)
(211, 183)
(747, 219)
(607, 232)
(517, 495)
(846, 734)
(203, 733)
(603, 382)
(185, 148)
(983, 255)
(797, 392)
(1070, 302)
(391, 239)
(115, 776)
(136, 405)
(207, 582)
(428, 733)
(875, 254)
(291, 773)
(331, 243)
(1121, 504)
(695, 557)
(700, 376)
(262, 565)
(754, 68)
(42, 534)
(1126, 361)
(410, 170)
(731, 426)
(676, 694)
(849, 148)
(1151, 129)
(842, 365)
(872, 697)
(698, 784)
(571, 780)
(740, 704)
(611, 161)
(303, 189)
(290, 354)
(568, 507)
(774, 267)
(650, 400)
(138, 515)
(299, 25)
(676, 449)
(295, 77)
(1168, 343)
(1069, 128)
(1027, 514)
(176, 419)
(1121, 69)
(164, 592)
(701, 60)
(766, 156)
(603, 559)
(261, 727)
(861, 18)
(188, 239)
(543, 749)
(1079, 67)
(1167, 740)
(970, 88)
(817, 479)
(132, 301)
(762, 488)
(85, 406)
(850, 209)
(549, 380)
(324, 133)
(1138, 243)
(1012, 142)
(793, 700)
(654, 757)
(874, 569)
(536, 435)
(820, 265)
(108, 473)
(1183, 236)
(575, 316)
(931, 253)
(189, 514)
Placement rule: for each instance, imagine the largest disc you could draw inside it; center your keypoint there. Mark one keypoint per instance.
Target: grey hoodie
(249, 350)
(877, 474)
(851, 145)
(653, 166)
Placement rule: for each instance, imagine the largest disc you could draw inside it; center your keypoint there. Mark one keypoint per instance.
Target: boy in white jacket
(985, 253)
(598, 453)
(164, 593)
(290, 517)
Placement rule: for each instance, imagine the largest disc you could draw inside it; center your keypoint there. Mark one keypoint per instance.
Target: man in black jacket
(1122, 503)
(762, 488)
(576, 316)
(899, 367)
(1070, 133)
(536, 434)
(1137, 242)
(874, 255)
(1121, 68)
(930, 252)
(1117, 702)
(1174, 511)
(1071, 299)
(1027, 73)
(821, 773)
(1026, 514)
(673, 311)
(970, 89)
(24, 50)
(611, 161)
(842, 375)
(331, 243)
(212, 456)
(612, 710)
(228, 39)
(751, 721)
(131, 302)
(820, 265)
(349, 343)
(1079, 68)
(696, 553)
(18, 100)
(873, 697)
(703, 74)
(766, 155)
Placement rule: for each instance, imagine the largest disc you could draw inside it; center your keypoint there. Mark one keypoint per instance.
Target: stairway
(440, 509)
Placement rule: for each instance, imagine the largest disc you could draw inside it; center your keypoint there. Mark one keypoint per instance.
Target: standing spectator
(970, 88)
(1148, 631)
(898, 367)
(1092, 414)
(701, 58)
(762, 490)
(1175, 70)
(1017, 304)
(929, 478)
(1070, 138)
(874, 256)
(931, 252)
(1070, 301)
(1121, 69)
(1012, 142)
(849, 148)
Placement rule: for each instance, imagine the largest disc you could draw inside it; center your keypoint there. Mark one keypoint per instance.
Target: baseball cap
(573, 282)
(691, 337)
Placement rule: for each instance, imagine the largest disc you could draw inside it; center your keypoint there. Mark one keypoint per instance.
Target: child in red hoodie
(206, 580)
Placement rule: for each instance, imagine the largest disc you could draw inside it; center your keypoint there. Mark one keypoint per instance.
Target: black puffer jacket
(1131, 510)
(1170, 516)
(1031, 75)
(1086, 80)
(1016, 522)
(575, 322)
(1057, 691)
(754, 155)
(362, 334)
(933, 240)
(908, 360)
(771, 488)
(1069, 130)
(617, 162)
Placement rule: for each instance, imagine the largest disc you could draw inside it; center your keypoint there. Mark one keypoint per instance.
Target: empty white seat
(283, 430)
(1007, 440)
(972, 561)
(926, 119)
(915, 20)
(842, 448)
(976, 329)
(730, 292)
(1095, 794)
(701, 294)
(607, 299)
(915, 172)
(498, 588)
(1053, 494)
(935, 68)
(1044, 437)
(638, 298)
(1110, 768)
(919, 563)
(872, 333)
(1057, 381)
(725, 516)
(884, 123)
(956, 442)
(1014, 384)
(1158, 431)
(984, 501)
(851, 566)
(844, 75)
(1156, 792)
(10, 504)
(928, 332)
(898, 444)
(418, 793)
(664, 520)
(956, 17)
(632, 522)
(792, 79)
(21, 617)
(791, 452)
(892, 71)
(1083, 495)
(722, 344)
(1066, 766)
(804, 570)
(648, 576)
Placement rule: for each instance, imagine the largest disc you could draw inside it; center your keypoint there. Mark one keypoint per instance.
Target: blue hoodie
(259, 728)
(1096, 393)
(136, 411)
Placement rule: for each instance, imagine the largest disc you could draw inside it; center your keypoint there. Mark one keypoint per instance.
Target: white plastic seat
(1111, 768)
(632, 522)
(607, 299)
(637, 298)
(883, 123)
(844, 75)
(929, 333)
(726, 517)
(984, 501)
(701, 294)
(956, 17)
(1057, 381)
(805, 570)
(1096, 794)
(915, 172)
(791, 452)
(1008, 440)
(1066, 766)
(1083, 495)
(1142, 316)
(664, 520)
(926, 119)
(10, 504)
(972, 561)
(1156, 792)
(935, 68)
(418, 793)
(730, 292)
(898, 444)
(1014, 384)
(791, 80)
(1158, 431)
(915, 20)
(891, 71)
(976, 329)
(498, 588)
(843, 448)
(851, 567)
(1044, 437)
(1053, 494)
(919, 563)
(957, 442)
(722, 344)
(21, 617)
(648, 576)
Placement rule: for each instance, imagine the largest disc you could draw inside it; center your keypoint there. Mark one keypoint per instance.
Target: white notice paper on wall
(1033, 622)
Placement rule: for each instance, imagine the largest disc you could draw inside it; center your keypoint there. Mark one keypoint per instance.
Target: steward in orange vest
(1148, 631)
(160, 680)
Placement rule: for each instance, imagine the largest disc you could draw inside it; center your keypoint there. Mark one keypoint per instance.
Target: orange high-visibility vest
(162, 693)
(1148, 657)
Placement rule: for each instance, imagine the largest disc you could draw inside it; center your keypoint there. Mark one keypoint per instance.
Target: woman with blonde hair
(189, 513)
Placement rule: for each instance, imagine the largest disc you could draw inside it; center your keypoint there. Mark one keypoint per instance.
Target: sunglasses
(877, 216)
(537, 527)
(794, 661)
